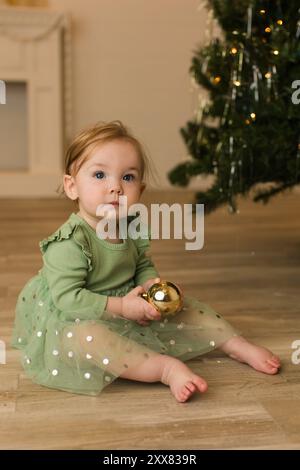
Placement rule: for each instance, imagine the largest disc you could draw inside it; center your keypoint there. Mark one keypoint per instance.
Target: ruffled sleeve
(67, 260)
(145, 268)
(64, 233)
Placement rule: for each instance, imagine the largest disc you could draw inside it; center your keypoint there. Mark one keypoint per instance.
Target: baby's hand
(136, 308)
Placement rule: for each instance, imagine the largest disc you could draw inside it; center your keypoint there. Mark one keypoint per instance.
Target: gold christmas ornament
(217, 79)
(165, 297)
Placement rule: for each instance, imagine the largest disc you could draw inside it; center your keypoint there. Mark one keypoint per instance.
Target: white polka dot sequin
(180, 326)
(56, 332)
(87, 375)
(107, 378)
(39, 333)
(105, 361)
(88, 356)
(212, 343)
(41, 303)
(70, 334)
(55, 352)
(89, 339)
(54, 372)
(70, 354)
(77, 320)
(28, 361)
(19, 340)
(172, 342)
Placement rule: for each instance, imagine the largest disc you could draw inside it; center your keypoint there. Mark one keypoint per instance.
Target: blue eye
(99, 175)
(129, 177)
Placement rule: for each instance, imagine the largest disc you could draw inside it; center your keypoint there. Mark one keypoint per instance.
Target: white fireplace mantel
(35, 49)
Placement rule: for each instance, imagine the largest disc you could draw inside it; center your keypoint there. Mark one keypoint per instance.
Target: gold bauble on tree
(166, 297)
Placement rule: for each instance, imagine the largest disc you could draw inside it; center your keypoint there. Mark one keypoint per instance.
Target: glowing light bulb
(233, 50)
(276, 52)
(268, 29)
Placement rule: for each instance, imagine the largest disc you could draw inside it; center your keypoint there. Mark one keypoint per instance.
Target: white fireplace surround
(35, 49)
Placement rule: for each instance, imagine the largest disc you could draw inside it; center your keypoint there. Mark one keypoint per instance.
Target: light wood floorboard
(249, 270)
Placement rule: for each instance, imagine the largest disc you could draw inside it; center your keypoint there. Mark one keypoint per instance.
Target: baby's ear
(70, 187)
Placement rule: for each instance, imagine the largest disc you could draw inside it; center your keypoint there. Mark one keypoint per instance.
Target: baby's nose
(116, 188)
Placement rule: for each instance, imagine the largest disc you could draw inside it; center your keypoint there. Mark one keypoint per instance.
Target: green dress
(68, 339)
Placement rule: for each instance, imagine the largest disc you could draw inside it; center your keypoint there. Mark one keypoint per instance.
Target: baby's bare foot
(257, 357)
(181, 380)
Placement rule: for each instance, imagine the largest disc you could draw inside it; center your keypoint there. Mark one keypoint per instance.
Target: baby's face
(113, 169)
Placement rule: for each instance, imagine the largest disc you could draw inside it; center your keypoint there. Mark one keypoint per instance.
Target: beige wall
(130, 62)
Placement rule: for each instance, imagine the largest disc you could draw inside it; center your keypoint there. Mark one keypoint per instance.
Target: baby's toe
(185, 393)
(200, 384)
(191, 387)
(271, 368)
(274, 361)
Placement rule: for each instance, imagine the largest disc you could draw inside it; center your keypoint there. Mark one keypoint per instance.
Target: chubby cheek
(90, 195)
(133, 195)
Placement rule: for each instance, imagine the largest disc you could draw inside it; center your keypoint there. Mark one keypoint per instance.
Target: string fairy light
(255, 82)
(249, 21)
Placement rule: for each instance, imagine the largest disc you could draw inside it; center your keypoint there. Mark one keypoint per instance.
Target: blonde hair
(100, 133)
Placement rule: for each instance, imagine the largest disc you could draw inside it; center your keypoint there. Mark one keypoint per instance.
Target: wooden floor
(249, 270)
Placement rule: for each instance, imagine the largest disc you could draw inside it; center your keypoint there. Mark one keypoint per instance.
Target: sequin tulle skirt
(84, 356)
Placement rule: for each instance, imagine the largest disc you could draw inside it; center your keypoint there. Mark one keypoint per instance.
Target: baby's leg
(255, 356)
(122, 357)
(170, 371)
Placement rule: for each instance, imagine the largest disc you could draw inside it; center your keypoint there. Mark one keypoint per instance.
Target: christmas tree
(249, 131)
